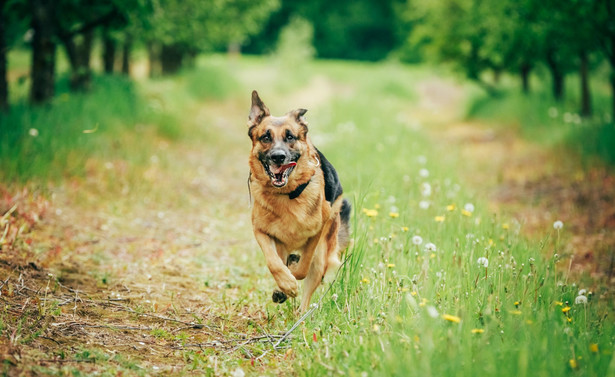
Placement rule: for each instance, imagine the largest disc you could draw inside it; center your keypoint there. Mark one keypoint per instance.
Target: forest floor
(163, 276)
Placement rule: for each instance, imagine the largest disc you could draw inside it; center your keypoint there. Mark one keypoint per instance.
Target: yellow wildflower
(466, 213)
(477, 331)
(529, 322)
(505, 226)
(391, 265)
(365, 280)
(376, 327)
(517, 303)
(439, 219)
(558, 303)
(491, 242)
(394, 214)
(515, 312)
(377, 206)
(593, 347)
(573, 363)
(566, 309)
(404, 228)
(569, 319)
(450, 207)
(370, 212)
(413, 293)
(451, 318)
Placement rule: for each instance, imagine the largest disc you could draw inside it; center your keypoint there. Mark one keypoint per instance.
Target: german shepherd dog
(297, 203)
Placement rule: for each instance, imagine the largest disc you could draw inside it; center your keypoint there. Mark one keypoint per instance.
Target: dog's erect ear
(297, 115)
(258, 110)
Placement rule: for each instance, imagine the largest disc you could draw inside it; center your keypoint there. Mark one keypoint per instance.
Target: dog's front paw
(288, 285)
(278, 297)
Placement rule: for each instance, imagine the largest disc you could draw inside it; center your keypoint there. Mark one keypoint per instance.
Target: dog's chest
(294, 221)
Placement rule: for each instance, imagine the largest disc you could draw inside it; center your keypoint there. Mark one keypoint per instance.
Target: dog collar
(296, 192)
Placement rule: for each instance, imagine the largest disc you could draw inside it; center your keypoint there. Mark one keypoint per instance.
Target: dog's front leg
(284, 279)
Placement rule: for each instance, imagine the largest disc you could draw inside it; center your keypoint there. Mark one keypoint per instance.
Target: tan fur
(307, 224)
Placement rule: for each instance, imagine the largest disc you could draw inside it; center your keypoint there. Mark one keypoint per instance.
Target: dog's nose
(278, 157)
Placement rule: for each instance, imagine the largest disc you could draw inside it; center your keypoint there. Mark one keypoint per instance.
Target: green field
(146, 201)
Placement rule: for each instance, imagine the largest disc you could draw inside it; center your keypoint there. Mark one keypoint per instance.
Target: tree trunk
(557, 76)
(613, 93)
(525, 77)
(4, 87)
(153, 54)
(126, 55)
(43, 52)
(108, 52)
(78, 57)
(586, 102)
(171, 58)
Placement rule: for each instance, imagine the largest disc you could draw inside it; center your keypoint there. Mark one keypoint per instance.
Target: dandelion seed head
(425, 189)
(582, 292)
(580, 300)
(433, 312)
(417, 240)
(422, 160)
(33, 132)
(558, 225)
(469, 207)
(424, 173)
(423, 204)
(482, 261)
(430, 246)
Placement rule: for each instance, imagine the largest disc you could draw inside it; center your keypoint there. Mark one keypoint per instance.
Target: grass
(398, 306)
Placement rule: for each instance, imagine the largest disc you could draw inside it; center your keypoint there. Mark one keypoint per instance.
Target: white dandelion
(422, 160)
(580, 300)
(33, 132)
(469, 207)
(482, 261)
(424, 173)
(430, 247)
(558, 225)
(426, 189)
(417, 240)
(423, 204)
(433, 312)
(582, 292)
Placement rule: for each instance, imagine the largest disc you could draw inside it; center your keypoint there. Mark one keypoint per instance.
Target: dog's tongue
(282, 168)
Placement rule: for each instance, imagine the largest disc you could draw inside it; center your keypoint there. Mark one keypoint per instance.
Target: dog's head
(277, 142)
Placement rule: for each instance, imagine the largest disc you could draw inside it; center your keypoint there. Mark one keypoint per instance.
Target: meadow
(144, 260)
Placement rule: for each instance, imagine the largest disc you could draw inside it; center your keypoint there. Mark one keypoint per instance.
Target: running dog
(297, 203)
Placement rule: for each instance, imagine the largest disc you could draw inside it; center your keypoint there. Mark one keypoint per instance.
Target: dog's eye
(289, 137)
(266, 138)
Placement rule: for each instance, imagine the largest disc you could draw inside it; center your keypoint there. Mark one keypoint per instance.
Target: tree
(213, 24)
(43, 51)
(603, 14)
(4, 87)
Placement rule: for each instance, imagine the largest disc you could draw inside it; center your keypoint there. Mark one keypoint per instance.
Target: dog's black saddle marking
(333, 187)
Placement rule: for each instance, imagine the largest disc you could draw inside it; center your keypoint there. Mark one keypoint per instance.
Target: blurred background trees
(483, 39)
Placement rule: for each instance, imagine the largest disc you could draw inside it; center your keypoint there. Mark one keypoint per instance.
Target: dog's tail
(343, 236)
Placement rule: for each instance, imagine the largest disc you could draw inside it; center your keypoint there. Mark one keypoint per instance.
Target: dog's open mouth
(279, 174)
